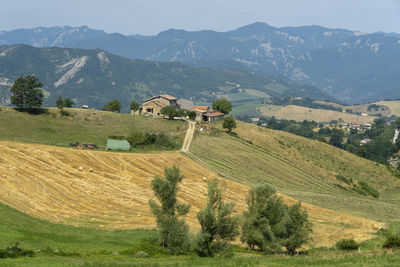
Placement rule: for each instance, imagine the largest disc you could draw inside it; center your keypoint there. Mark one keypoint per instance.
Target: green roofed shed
(117, 145)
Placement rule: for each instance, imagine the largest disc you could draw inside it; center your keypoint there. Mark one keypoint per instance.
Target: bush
(347, 244)
(15, 252)
(392, 241)
(365, 189)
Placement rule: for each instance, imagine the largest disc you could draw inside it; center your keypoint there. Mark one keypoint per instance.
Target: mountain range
(349, 65)
(94, 77)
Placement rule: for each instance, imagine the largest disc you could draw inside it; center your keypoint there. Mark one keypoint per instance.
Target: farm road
(188, 137)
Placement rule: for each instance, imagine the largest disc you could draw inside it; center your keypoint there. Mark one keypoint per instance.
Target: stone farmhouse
(154, 105)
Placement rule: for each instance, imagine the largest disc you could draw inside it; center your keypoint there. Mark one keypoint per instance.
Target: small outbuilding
(118, 145)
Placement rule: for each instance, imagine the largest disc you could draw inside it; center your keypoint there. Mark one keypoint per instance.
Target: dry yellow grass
(111, 190)
(393, 105)
(299, 113)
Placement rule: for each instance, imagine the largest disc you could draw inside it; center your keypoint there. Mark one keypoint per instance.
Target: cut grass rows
(292, 170)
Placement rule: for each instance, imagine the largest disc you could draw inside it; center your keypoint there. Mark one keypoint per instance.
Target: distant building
(213, 116)
(154, 105)
(365, 141)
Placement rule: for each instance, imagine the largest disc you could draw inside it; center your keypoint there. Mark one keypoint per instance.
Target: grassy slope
(35, 234)
(91, 126)
(98, 247)
(301, 168)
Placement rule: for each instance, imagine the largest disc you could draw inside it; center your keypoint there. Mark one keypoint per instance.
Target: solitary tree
(264, 221)
(218, 225)
(229, 123)
(222, 105)
(298, 228)
(68, 103)
(269, 224)
(26, 94)
(64, 103)
(174, 231)
(113, 106)
(169, 111)
(134, 106)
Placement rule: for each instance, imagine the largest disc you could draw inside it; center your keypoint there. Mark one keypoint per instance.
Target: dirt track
(188, 137)
(111, 190)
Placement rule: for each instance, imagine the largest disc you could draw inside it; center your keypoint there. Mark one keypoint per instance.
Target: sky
(150, 17)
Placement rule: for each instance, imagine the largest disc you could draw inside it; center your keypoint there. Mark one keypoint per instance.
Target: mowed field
(393, 105)
(301, 168)
(111, 190)
(299, 113)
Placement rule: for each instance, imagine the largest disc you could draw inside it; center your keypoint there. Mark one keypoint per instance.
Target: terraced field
(111, 190)
(301, 168)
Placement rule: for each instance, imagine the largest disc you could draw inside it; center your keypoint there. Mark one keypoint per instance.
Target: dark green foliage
(149, 245)
(113, 106)
(174, 232)
(392, 241)
(269, 224)
(134, 106)
(218, 225)
(170, 112)
(298, 229)
(15, 252)
(344, 179)
(192, 115)
(26, 94)
(347, 244)
(64, 103)
(264, 221)
(229, 123)
(140, 139)
(365, 189)
(222, 105)
(336, 138)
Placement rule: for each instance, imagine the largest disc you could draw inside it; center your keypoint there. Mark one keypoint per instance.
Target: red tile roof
(201, 107)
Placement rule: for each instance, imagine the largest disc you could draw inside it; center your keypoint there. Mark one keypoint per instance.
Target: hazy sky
(153, 16)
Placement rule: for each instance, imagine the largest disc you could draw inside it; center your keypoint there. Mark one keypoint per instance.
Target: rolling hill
(94, 77)
(110, 190)
(353, 66)
(304, 169)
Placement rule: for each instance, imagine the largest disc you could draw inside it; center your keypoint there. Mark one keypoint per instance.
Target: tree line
(268, 225)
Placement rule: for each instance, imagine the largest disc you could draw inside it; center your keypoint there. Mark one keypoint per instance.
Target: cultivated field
(393, 105)
(301, 168)
(110, 190)
(299, 113)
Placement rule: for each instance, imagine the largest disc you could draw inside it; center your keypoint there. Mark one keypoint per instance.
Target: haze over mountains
(352, 66)
(94, 77)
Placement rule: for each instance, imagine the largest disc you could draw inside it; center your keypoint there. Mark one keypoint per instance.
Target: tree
(336, 138)
(229, 123)
(264, 221)
(192, 115)
(68, 103)
(174, 231)
(298, 228)
(26, 94)
(222, 105)
(134, 106)
(218, 225)
(169, 111)
(270, 224)
(113, 106)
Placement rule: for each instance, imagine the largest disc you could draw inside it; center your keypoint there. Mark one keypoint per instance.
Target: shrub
(218, 225)
(344, 179)
(392, 241)
(15, 252)
(174, 232)
(347, 244)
